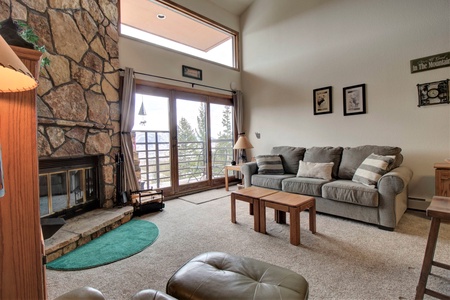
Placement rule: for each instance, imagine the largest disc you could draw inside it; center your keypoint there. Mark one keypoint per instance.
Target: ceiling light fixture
(161, 16)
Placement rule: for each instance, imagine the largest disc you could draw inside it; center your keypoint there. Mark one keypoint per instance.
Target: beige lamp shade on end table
(14, 76)
(242, 144)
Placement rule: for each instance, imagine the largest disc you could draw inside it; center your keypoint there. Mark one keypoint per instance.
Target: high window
(168, 25)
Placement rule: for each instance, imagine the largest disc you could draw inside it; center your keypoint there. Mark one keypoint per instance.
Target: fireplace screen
(62, 190)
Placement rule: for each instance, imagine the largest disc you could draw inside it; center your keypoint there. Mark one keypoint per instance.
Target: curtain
(238, 119)
(238, 111)
(130, 182)
(238, 115)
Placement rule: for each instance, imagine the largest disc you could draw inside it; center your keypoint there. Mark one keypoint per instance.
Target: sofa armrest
(247, 170)
(393, 196)
(396, 180)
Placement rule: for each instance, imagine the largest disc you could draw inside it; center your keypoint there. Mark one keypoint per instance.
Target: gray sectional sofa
(382, 203)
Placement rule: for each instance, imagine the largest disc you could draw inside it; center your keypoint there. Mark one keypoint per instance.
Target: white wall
(292, 47)
(145, 58)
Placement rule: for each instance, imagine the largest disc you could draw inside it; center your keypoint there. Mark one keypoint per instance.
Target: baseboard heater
(418, 203)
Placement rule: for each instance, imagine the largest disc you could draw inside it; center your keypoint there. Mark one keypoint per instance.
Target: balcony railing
(153, 150)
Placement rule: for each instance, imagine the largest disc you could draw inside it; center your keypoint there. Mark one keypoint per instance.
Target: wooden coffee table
(251, 195)
(284, 202)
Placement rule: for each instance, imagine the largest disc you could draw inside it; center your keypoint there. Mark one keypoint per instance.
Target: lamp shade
(14, 76)
(242, 143)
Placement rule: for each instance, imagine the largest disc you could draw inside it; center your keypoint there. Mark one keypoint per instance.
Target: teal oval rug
(119, 243)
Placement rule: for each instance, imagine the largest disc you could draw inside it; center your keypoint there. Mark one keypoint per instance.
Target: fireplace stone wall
(78, 95)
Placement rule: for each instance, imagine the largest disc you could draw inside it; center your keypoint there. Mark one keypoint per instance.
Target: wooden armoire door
(22, 273)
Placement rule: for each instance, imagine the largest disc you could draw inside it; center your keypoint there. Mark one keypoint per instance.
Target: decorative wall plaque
(433, 93)
(430, 62)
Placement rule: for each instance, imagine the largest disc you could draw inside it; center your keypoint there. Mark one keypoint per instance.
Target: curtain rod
(183, 81)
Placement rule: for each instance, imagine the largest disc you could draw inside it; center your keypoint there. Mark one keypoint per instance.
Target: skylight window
(178, 29)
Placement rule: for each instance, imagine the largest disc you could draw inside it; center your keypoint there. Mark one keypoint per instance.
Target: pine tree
(223, 149)
(189, 150)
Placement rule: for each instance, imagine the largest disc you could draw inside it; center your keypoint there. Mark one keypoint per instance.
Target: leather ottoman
(217, 275)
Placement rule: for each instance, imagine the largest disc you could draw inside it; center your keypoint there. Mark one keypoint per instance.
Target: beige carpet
(344, 260)
(207, 196)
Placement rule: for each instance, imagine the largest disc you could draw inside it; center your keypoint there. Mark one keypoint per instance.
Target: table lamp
(14, 77)
(242, 144)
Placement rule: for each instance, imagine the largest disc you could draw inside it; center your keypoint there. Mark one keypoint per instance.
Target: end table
(230, 168)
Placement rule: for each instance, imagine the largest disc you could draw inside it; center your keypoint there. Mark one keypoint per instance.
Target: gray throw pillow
(324, 155)
(290, 156)
(269, 165)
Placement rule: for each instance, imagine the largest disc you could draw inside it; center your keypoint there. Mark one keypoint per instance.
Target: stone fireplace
(78, 95)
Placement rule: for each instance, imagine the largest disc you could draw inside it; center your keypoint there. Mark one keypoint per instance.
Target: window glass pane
(222, 54)
(179, 30)
(192, 146)
(90, 184)
(59, 191)
(76, 188)
(151, 127)
(221, 137)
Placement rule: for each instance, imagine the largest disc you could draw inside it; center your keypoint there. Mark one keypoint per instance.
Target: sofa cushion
(351, 192)
(270, 181)
(323, 155)
(290, 156)
(304, 186)
(269, 164)
(372, 168)
(353, 157)
(315, 170)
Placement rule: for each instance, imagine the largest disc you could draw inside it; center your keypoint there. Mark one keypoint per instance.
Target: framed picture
(192, 72)
(355, 100)
(433, 93)
(323, 101)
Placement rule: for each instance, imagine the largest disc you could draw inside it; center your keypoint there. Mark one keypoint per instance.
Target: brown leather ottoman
(217, 275)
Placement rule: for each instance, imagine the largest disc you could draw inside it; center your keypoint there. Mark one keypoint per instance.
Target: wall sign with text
(430, 62)
(192, 72)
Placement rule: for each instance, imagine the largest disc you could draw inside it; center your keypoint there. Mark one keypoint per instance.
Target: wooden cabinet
(22, 273)
(442, 180)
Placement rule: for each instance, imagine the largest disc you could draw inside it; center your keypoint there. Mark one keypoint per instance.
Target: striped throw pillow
(371, 169)
(269, 164)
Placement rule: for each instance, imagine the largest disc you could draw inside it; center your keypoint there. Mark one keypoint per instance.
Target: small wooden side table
(442, 179)
(230, 168)
(251, 195)
(294, 204)
(438, 210)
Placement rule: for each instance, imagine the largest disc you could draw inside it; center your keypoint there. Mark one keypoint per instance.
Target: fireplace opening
(68, 187)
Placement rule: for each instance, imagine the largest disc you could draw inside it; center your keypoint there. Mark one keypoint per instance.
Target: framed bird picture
(323, 101)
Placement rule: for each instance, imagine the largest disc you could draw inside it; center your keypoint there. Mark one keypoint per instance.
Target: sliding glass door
(192, 142)
(152, 139)
(183, 139)
(221, 137)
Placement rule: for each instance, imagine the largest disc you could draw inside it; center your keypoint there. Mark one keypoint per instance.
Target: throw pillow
(352, 157)
(371, 169)
(269, 164)
(290, 156)
(315, 170)
(325, 155)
